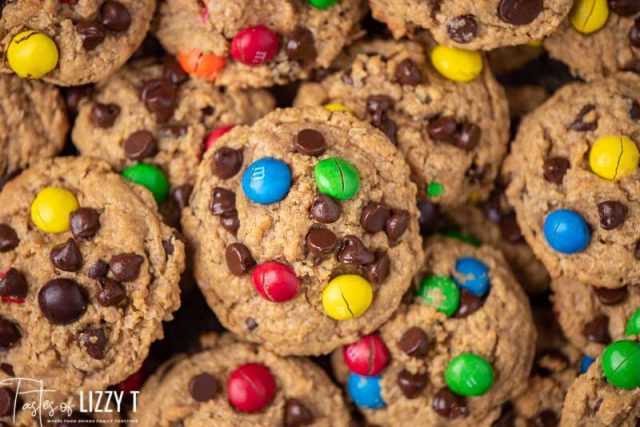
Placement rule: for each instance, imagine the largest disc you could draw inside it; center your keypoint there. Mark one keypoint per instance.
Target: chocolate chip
(126, 267)
(546, 418)
(611, 296)
(408, 73)
(99, 269)
(430, 217)
(159, 96)
(9, 334)
(597, 330)
(519, 12)
(310, 142)
(139, 145)
(8, 238)
(397, 224)
(507, 417)
(510, 229)
(104, 115)
(296, 414)
(612, 214)
(634, 110)
(7, 369)
(462, 29)
(377, 107)
(66, 256)
(230, 222)
(324, 210)
(319, 74)
(586, 120)
(449, 405)
(13, 284)
(94, 341)
(91, 33)
(300, 46)
(84, 223)
(468, 136)
(390, 129)
(555, 168)
(378, 270)
(111, 292)
(624, 7)
(62, 301)
(167, 244)
(443, 129)
(226, 162)
(115, 16)
(320, 241)
(181, 195)
(173, 71)
(410, 384)
(6, 401)
(203, 387)
(374, 216)
(223, 201)
(634, 34)
(353, 251)
(414, 342)
(469, 304)
(239, 259)
(250, 323)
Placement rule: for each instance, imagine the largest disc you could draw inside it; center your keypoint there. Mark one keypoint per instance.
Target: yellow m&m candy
(346, 297)
(614, 157)
(32, 55)
(588, 16)
(51, 209)
(334, 108)
(456, 64)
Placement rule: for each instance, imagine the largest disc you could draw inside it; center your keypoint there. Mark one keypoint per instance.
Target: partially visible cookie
(507, 59)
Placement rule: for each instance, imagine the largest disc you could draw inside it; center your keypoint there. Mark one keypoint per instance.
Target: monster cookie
(33, 123)
(452, 134)
(599, 38)
(71, 42)
(234, 384)
(573, 172)
(258, 44)
(484, 24)
(89, 272)
(455, 354)
(609, 393)
(304, 230)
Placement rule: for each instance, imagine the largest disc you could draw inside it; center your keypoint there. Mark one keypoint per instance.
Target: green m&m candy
(337, 178)
(322, 4)
(469, 375)
(621, 364)
(633, 325)
(151, 177)
(440, 292)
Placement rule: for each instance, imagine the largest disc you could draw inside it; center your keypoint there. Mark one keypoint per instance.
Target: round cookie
(485, 24)
(256, 44)
(573, 183)
(33, 123)
(613, 47)
(71, 43)
(321, 203)
(205, 389)
(89, 272)
(414, 357)
(453, 135)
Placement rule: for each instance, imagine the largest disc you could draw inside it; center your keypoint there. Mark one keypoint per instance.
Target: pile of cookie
(320, 212)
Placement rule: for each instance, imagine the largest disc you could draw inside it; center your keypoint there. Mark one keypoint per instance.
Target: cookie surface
(83, 300)
(321, 278)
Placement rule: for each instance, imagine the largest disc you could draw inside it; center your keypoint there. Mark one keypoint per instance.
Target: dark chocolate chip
(390, 129)
(111, 292)
(624, 7)
(223, 201)
(226, 162)
(91, 33)
(13, 284)
(469, 304)
(310, 142)
(230, 222)
(468, 136)
(408, 73)
(250, 323)
(126, 267)
(430, 217)
(181, 195)
(203, 387)
(300, 46)
(115, 16)
(378, 106)
(159, 96)
(73, 96)
(378, 270)
(414, 342)
(84, 223)
(6, 401)
(320, 241)
(555, 168)
(66, 256)
(410, 384)
(139, 145)
(99, 269)
(462, 29)
(519, 12)
(612, 214)
(8, 238)
(238, 258)
(173, 70)
(62, 301)
(586, 120)
(104, 115)
(397, 224)
(634, 34)
(510, 229)
(94, 341)
(443, 129)
(492, 207)
(636, 250)
(611, 296)
(7, 369)
(449, 405)
(597, 330)
(296, 414)
(9, 334)
(169, 249)
(353, 251)
(374, 216)
(634, 110)
(546, 418)
(324, 210)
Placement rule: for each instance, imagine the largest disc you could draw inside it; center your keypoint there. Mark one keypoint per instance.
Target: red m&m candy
(216, 134)
(251, 387)
(367, 356)
(255, 45)
(275, 282)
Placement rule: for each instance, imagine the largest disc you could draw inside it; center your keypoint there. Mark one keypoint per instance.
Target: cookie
(504, 60)
(89, 272)
(256, 44)
(452, 134)
(33, 124)
(485, 24)
(235, 384)
(572, 176)
(606, 42)
(71, 43)
(304, 230)
(454, 353)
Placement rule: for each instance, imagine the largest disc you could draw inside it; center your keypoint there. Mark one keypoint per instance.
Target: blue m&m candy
(266, 181)
(365, 391)
(566, 231)
(473, 275)
(585, 362)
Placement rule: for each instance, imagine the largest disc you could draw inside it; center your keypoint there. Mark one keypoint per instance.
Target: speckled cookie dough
(257, 44)
(573, 181)
(599, 46)
(33, 123)
(89, 272)
(483, 24)
(238, 384)
(453, 135)
(323, 252)
(72, 42)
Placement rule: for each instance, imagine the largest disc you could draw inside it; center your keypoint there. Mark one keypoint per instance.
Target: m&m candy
(620, 364)
(588, 16)
(440, 292)
(217, 134)
(51, 209)
(255, 45)
(633, 325)
(457, 64)
(32, 55)
(473, 275)
(151, 177)
(585, 363)
(368, 356)
(336, 108)
(202, 65)
(566, 231)
(365, 391)
(275, 282)
(322, 4)
(251, 387)
(266, 181)
(614, 157)
(337, 178)
(346, 297)
(469, 375)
